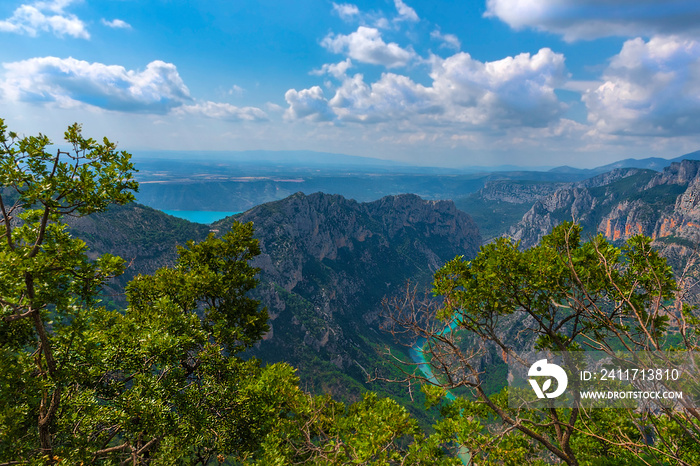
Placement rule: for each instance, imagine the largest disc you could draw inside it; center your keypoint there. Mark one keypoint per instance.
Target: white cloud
(447, 40)
(57, 6)
(309, 104)
(346, 11)
(236, 90)
(337, 70)
(222, 111)
(515, 91)
(590, 19)
(392, 97)
(649, 88)
(30, 19)
(366, 46)
(71, 83)
(406, 13)
(67, 82)
(116, 24)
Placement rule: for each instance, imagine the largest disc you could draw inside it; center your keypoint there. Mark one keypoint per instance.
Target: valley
(327, 261)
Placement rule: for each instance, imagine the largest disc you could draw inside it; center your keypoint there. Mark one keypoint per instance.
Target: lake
(200, 216)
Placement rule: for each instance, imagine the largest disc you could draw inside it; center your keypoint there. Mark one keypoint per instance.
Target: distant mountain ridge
(650, 163)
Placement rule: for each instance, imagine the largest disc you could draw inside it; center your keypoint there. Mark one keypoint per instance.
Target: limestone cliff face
(574, 203)
(327, 262)
(680, 173)
(322, 226)
(621, 204)
(684, 220)
(667, 207)
(517, 192)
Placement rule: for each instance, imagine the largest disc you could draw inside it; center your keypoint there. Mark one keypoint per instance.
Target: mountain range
(234, 182)
(327, 262)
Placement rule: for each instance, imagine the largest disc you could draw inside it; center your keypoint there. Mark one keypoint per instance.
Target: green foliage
(212, 279)
(161, 381)
(561, 295)
(46, 280)
(576, 291)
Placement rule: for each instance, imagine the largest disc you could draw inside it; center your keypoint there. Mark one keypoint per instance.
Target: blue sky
(450, 83)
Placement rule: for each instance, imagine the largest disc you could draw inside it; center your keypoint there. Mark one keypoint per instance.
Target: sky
(449, 83)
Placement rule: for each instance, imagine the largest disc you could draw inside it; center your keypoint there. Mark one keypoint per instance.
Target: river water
(418, 356)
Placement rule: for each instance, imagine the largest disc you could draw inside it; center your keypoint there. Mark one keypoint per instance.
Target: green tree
(162, 381)
(46, 281)
(564, 294)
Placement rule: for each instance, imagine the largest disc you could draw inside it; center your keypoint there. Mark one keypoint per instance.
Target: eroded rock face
(684, 221)
(627, 219)
(668, 207)
(516, 192)
(682, 173)
(326, 263)
(665, 204)
(573, 204)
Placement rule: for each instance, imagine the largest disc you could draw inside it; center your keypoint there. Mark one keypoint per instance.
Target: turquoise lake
(200, 216)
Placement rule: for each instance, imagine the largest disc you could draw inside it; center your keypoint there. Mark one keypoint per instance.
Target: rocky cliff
(326, 264)
(659, 205)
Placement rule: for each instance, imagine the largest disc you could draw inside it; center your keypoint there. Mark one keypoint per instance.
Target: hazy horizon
(265, 156)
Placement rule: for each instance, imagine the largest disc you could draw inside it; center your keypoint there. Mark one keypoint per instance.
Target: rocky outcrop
(668, 207)
(517, 192)
(524, 192)
(327, 262)
(684, 220)
(660, 206)
(627, 219)
(681, 173)
(609, 177)
(574, 204)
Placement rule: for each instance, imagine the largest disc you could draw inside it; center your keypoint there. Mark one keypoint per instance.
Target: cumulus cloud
(515, 90)
(30, 19)
(337, 70)
(590, 19)
(406, 13)
(222, 111)
(67, 82)
(309, 104)
(116, 24)
(392, 97)
(346, 11)
(464, 91)
(649, 88)
(366, 46)
(447, 40)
